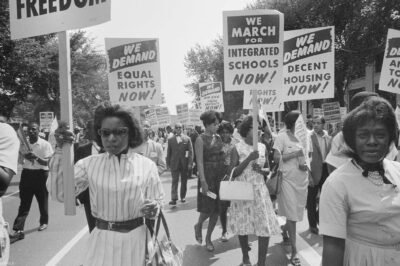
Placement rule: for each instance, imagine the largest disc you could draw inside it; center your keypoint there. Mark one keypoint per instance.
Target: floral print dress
(252, 217)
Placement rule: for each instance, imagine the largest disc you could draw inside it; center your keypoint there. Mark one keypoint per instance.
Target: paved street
(63, 243)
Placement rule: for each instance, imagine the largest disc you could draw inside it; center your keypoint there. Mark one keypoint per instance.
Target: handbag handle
(231, 175)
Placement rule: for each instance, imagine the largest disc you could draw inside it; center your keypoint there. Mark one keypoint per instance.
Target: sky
(179, 25)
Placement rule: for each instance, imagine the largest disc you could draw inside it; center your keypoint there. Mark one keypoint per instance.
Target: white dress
(117, 191)
(293, 196)
(366, 215)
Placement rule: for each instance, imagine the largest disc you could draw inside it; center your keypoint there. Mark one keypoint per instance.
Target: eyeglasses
(105, 132)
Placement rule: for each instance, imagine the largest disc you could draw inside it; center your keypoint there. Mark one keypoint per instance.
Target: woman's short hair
(290, 119)
(373, 109)
(245, 126)
(103, 111)
(225, 125)
(210, 117)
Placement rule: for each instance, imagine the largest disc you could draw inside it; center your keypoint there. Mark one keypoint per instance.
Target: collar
(124, 155)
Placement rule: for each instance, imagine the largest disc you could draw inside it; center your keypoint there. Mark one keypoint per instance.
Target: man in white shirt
(9, 147)
(33, 182)
(152, 150)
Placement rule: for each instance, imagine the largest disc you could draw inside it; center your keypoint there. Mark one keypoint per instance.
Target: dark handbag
(162, 252)
(275, 181)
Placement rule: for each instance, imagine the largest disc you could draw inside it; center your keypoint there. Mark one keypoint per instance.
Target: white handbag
(236, 190)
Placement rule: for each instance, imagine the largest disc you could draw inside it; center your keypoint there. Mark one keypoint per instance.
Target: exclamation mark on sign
(272, 76)
(326, 85)
(154, 92)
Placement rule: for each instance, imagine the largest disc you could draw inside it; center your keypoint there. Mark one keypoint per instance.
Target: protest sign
(253, 41)
(211, 97)
(343, 112)
(317, 112)
(30, 18)
(390, 74)
(182, 112)
(133, 71)
(268, 100)
(150, 115)
(46, 119)
(308, 64)
(331, 112)
(302, 135)
(162, 116)
(194, 118)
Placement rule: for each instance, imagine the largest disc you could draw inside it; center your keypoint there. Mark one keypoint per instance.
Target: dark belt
(122, 227)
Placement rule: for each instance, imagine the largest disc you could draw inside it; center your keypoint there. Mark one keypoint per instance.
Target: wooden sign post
(64, 56)
(255, 119)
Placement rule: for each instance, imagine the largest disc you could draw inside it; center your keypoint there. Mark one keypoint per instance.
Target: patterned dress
(213, 162)
(252, 217)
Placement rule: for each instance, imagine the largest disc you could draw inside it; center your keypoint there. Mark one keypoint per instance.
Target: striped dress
(117, 192)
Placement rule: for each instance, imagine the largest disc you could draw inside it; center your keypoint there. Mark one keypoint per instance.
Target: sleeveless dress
(213, 162)
(252, 217)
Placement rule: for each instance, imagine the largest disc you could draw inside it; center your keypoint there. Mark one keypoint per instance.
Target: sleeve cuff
(332, 230)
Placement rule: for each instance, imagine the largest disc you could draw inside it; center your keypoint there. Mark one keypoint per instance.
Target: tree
(205, 64)
(29, 74)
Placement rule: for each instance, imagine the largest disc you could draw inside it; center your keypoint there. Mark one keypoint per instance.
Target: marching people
(33, 182)
(124, 188)
(320, 142)
(225, 131)
(180, 161)
(9, 148)
(152, 149)
(360, 201)
(251, 217)
(293, 194)
(210, 167)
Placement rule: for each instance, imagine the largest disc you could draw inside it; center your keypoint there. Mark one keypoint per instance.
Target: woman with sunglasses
(124, 189)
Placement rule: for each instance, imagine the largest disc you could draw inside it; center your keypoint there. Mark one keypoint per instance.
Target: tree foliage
(29, 74)
(206, 64)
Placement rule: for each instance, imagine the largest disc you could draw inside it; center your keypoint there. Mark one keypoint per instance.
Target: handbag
(162, 252)
(235, 190)
(275, 181)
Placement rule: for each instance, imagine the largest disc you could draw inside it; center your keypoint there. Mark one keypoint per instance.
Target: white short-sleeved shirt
(9, 147)
(41, 148)
(353, 208)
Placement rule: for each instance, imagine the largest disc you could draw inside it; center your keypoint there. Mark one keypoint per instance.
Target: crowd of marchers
(349, 188)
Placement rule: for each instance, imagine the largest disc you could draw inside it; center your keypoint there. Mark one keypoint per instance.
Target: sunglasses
(105, 132)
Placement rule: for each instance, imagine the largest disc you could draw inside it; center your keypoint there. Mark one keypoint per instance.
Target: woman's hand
(150, 208)
(257, 168)
(204, 187)
(299, 153)
(253, 155)
(63, 135)
(303, 167)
